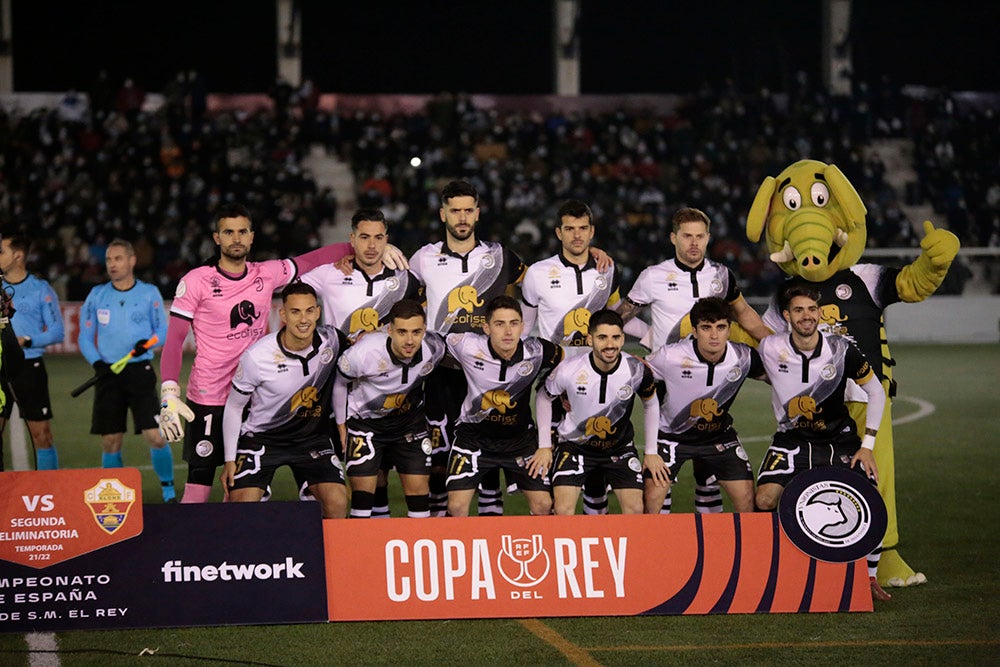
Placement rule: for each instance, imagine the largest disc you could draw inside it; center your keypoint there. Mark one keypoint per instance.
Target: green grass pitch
(946, 464)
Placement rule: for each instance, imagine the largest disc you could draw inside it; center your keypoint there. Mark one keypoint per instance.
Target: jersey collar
(697, 354)
(688, 269)
(815, 353)
(445, 250)
(229, 276)
(590, 264)
(385, 273)
(593, 365)
(310, 352)
(517, 356)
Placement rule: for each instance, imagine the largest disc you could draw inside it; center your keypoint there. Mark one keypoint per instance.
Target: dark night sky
(381, 46)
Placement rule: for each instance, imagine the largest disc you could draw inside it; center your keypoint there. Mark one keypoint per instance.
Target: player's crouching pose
(287, 377)
(495, 429)
(702, 376)
(596, 432)
(379, 405)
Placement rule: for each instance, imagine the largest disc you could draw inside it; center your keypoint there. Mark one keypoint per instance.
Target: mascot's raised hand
(813, 223)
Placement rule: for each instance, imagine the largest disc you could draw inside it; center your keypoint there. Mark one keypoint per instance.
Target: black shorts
(367, 445)
(472, 457)
(114, 395)
(313, 463)
(726, 460)
(203, 437)
(444, 391)
(621, 467)
(788, 456)
(31, 391)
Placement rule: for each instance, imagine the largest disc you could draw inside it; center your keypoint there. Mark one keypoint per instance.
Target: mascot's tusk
(784, 255)
(841, 238)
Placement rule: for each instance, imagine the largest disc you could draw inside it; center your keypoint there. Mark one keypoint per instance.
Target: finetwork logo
(175, 572)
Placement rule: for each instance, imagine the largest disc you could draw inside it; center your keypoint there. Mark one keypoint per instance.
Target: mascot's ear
(760, 210)
(846, 196)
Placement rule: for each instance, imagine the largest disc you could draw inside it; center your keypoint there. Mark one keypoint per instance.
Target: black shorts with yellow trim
(727, 460)
(788, 455)
(369, 443)
(473, 456)
(313, 462)
(621, 466)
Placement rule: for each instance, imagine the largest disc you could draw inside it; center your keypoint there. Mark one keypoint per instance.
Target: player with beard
(808, 371)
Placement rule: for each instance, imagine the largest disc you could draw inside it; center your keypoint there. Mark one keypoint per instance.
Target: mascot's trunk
(811, 239)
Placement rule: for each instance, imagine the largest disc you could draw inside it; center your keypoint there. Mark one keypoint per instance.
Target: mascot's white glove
(172, 408)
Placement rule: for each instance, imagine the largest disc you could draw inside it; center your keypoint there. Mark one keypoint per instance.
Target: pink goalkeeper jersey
(227, 315)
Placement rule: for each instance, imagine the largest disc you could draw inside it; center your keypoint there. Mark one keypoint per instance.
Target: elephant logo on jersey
(831, 317)
(306, 398)
(499, 400)
(396, 402)
(803, 406)
(600, 427)
(819, 516)
(243, 313)
(577, 321)
(464, 297)
(364, 319)
(705, 408)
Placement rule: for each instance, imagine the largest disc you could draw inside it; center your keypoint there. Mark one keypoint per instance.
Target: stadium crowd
(77, 175)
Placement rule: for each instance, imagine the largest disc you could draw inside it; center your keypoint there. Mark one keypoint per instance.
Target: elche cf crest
(832, 514)
(109, 501)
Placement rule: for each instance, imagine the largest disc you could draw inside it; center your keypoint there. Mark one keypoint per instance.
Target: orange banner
(578, 566)
(47, 517)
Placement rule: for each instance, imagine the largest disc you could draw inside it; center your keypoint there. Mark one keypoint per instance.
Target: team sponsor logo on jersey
(497, 399)
(705, 408)
(733, 374)
(599, 427)
(577, 321)
(828, 372)
(843, 292)
(181, 290)
(525, 368)
(831, 318)
(803, 406)
(245, 312)
(306, 399)
(624, 392)
(109, 501)
(832, 514)
(464, 297)
(364, 319)
(396, 402)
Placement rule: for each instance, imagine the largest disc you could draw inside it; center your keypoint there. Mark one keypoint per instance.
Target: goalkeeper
(227, 304)
(117, 319)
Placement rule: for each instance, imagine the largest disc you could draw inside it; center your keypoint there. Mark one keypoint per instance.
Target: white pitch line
(42, 647)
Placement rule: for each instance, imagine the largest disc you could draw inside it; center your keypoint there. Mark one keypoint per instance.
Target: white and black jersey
(290, 392)
(807, 388)
(384, 387)
(498, 401)
(566, 295)
(357, 302)
(699, 393)
(458, 287)
(600, 414)
(670, 289)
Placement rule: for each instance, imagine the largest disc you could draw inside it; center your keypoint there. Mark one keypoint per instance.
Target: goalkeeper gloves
(173, 412)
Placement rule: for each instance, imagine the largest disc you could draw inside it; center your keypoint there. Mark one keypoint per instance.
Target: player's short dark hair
(606, 316)
(789, 292)
(689, 214)
(18, 242)
(404, 309)
(574, 208)
(459, 189)
(502, 301)
(711, 309)
(372, 214)
(231, 210)
(298, 287)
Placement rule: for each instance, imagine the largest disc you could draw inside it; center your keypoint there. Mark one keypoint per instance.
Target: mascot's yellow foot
(893, 572)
